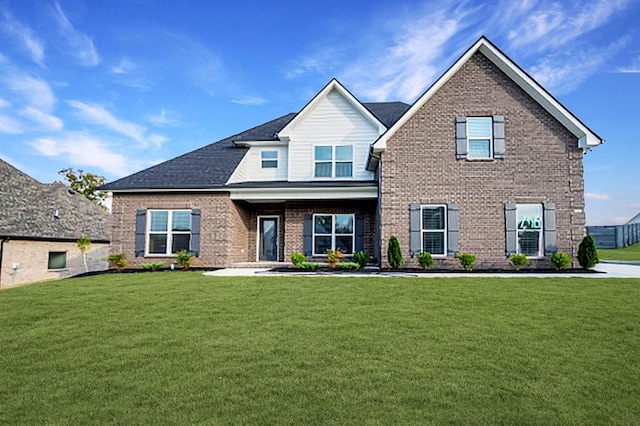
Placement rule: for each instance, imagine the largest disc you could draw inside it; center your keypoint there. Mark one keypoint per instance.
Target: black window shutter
(359, 233)
(461, 138)
(511, 229)
(141, 225)
(307, 235)
(499, 147)
(453, 229)
(549, 224)
(415, 229)
(195, 232)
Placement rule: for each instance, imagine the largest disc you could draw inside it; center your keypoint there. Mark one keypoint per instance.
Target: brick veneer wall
(542, 164)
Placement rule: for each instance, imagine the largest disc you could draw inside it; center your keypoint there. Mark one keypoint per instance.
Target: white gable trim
(586, 138)
(334, 84)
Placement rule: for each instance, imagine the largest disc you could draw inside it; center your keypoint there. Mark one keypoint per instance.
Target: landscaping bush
(467, 260)
(184, 258)
(362, 258)
(334, 257)
(588, 253)
(118, 260)
(560, 260)
(518, 261)
(394, 254)
(348, 266)
(153, 266)
(297, 258)
(309, 266)
(425, 259)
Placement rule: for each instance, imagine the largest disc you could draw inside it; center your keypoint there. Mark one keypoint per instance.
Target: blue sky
(114, 86)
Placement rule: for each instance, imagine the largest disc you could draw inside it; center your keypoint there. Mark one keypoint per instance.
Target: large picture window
(530, 229)
(168, 231)
(479, 137)
(333, 231)
(333, 161)
(434, 229)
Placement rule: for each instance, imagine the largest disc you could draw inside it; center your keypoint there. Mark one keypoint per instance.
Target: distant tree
(84, 243)
(85, 183)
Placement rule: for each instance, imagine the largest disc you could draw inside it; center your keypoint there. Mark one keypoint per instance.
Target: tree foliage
(85, 183)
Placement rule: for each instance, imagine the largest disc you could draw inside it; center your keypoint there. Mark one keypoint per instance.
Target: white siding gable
(250, 168)
(333, 120)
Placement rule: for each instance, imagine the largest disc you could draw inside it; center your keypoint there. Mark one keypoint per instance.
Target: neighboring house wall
(32, 259)
(542, 164)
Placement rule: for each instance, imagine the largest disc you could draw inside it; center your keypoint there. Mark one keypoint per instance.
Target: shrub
(467, 260)
(184, 258)
(348, 266)
(394, 254)
(362, 258)
(297, 258)
(153, 266)
(560, 260)
(334, 257)
(118, 260)
(425, 259)
(518, 261)
(309, 266)
(588, 253)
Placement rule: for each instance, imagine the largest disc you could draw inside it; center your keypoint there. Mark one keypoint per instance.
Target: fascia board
(285, 194)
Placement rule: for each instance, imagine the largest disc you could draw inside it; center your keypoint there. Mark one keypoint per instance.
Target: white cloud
(125, 66)
(249, 100)
(48, 121)
(97, 114)
(79, 44)
(10, 126)
(633, 67)
(596, 196)
(28, 41)
(36, 92)
(4, 104)
(160, 119)
(157, 140)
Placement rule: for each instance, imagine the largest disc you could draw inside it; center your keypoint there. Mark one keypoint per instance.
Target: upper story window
(333, 161)
(434, 229)
(530, 229)
(168, 231)
(269, 159)
(479, 137)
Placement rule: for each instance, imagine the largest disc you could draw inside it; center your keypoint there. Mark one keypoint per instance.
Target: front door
(268, 239)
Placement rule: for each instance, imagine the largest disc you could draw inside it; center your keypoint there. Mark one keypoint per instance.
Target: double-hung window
(434, 229)
(333, 231)
(333, 161)
(530, 229)
(269, 159)
(479, 138)
(168, 231)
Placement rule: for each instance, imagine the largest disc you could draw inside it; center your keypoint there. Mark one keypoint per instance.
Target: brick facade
(542, 164)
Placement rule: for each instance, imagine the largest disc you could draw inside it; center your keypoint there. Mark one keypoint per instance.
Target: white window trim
(540, 254)
(469, 138)
(169, 232)
(444, 231)
(258, 235)
(333, 233)
(277, 159)
(333, 162)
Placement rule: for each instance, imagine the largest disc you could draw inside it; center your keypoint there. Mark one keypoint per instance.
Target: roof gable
(586, 137)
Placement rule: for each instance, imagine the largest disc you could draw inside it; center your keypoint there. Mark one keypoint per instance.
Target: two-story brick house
(486, 161)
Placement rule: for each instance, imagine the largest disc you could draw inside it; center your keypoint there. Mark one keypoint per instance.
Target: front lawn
(182, 348)
(629, 254)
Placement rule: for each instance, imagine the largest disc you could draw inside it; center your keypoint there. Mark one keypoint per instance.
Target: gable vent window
(480, 138)
(333, 161)
(269, 159)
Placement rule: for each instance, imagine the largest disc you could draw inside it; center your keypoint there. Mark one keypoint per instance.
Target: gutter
(4, 239)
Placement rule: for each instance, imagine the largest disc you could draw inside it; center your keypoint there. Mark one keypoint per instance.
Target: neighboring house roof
(211, 166)
(28, 210)
(635, 219)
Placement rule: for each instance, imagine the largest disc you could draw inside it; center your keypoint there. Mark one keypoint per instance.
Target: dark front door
(268, 239)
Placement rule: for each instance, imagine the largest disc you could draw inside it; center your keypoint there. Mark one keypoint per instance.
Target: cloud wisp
(596, 196)
(80, 46)
(24, 36)
(34, 91)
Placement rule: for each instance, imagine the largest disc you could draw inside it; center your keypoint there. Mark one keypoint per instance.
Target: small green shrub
(184, 258)
(362, 258)
(394, 254)
(425, 259)
(348, 266)
(297, 258)
(309, 266)
(118, 260)
(518, 261)
(467, 260)
(153, 266)
(334, 257)
(560, 260)
(588, 253)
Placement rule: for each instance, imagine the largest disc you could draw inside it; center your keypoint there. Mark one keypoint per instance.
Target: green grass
(630, 253)
(181, 348)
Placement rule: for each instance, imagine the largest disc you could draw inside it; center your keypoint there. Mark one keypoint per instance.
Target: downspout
(1, 256)
(379, 212)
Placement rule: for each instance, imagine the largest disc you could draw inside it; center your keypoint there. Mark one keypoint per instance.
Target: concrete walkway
(607, 269)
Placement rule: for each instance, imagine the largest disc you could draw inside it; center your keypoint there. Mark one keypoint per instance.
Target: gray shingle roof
(28, 210)
(211, 166)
